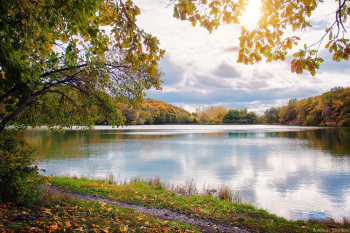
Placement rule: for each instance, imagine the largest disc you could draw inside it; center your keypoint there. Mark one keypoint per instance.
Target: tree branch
(61, 70)
(20, 109)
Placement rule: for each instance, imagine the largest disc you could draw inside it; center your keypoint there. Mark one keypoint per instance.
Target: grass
(152, 193)
(62, 214)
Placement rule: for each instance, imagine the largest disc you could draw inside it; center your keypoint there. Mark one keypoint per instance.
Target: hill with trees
(151, 112)
(329, 109)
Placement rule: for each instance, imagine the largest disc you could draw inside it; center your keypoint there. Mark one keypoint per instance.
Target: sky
(200, 69)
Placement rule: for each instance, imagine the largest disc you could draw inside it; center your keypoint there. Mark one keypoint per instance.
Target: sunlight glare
(252, 14)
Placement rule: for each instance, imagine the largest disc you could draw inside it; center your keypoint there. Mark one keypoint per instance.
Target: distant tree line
(152, 112)
(329, 109)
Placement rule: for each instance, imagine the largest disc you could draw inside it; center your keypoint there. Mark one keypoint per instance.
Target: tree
(288, 113)
(62, 61)
(271, 115)
(250, 118)
(232, 117)
(271, 38)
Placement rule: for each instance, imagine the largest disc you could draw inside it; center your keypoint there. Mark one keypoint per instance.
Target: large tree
(68, 62)
(276, 31)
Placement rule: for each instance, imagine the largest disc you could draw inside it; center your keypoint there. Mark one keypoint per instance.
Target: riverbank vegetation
(58, 214)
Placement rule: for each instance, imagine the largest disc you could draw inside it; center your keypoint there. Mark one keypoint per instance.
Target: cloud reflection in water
(295, 172)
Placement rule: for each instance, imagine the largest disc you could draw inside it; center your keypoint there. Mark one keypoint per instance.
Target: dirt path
(203, 224)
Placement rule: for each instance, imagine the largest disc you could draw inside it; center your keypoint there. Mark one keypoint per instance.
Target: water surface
(294, 172)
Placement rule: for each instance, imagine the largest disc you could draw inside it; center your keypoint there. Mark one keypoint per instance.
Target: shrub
(19, 179)
(225, 193)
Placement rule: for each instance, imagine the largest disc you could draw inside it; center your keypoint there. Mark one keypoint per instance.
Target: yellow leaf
(11, 12)
(53, 227)
(2, 74)
(67, 223)
(123, 229)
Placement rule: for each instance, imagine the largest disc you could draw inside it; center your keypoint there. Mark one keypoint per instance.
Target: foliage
(65, 214)
(211, 115)
(271, 115)
(62, 60)
(240, 117)
(329, 109)
(19, 181)
(276, 31)
(156, 112)
(241, 215)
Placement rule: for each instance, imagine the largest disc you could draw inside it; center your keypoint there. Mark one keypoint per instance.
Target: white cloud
(201, 70)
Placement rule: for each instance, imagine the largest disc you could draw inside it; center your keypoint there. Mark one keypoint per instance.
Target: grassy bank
(70, 215)
(62, 214)
(153, 194)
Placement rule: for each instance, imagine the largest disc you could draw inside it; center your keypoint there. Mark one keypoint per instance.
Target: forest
(151, 112)
(328, 109)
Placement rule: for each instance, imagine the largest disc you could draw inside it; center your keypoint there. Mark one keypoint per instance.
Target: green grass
(62, 214)
(241, 215)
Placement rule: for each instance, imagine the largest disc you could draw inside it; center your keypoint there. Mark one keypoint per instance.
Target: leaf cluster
(70, 55)
(275, 34)
(209, 14)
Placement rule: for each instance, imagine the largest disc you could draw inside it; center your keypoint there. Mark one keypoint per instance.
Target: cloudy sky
(201, 69)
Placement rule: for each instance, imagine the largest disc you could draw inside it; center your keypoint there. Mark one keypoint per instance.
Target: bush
(225, 193)
(19, 179)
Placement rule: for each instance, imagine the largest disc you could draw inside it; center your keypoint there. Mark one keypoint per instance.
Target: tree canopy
(275, 33)
(151, 112)
(329, 109)
(61, 62)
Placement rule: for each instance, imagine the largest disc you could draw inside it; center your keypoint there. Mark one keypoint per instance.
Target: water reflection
(334, 140)
(294, 172)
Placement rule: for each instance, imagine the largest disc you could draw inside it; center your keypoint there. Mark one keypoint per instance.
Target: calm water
(295, 172)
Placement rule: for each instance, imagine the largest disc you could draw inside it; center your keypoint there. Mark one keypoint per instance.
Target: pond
(294, 172)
